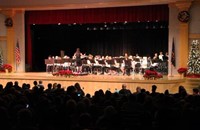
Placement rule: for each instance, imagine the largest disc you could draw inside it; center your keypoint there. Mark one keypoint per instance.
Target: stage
(91, 83)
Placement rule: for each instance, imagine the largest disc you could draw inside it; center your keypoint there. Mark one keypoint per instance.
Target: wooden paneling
(3, 38)
(92, 83)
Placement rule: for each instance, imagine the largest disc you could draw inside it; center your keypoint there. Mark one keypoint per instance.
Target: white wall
(194, 28)
(18, 25)
(19, 28)
(3, 45)
(195, 19)
(173, 33)
(2, 25)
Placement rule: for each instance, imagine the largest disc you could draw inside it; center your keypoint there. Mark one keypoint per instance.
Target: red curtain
(98, 15)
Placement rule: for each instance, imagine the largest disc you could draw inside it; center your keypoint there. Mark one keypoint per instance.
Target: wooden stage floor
(91, 83)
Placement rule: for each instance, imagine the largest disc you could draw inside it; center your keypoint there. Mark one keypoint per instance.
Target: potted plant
(7, 68)
(152, 74)
(182, 71)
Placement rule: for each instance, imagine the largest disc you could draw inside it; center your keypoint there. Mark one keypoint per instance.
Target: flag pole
(172, 59)
(16, 58)
(171, 71)
(15, 64)
(17, 55)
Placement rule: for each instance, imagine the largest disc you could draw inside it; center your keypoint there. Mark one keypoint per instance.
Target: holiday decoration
(194, 59)
(1, 58)
(152, 74)
(182, 70)
(9, 22)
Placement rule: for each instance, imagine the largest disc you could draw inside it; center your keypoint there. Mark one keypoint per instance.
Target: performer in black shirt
(126, 65)
(78, 62)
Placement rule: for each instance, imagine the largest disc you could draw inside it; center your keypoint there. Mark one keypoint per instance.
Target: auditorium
(99, 64)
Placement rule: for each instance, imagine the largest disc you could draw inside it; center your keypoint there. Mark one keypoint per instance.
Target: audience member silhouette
(58, 109)
(124, 90)
(153, 91)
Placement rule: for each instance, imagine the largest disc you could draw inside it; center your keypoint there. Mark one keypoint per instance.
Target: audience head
(1, 87)
(195, 91)
(123, 86)
(85, 121)
(166, 92)
(54, 85)
(40, 81)
(77, 86)
(16, 83)
(24, 117)
(154, 87)
(138, 90)
(35, 83)
(49, 85)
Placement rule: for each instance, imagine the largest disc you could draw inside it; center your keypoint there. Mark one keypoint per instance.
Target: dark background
(113, 39)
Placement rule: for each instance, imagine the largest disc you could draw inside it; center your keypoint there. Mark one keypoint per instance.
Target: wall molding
(3, 38)
(194, 35)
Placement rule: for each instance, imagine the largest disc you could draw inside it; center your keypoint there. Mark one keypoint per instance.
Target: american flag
(173, 59)
(17, 54)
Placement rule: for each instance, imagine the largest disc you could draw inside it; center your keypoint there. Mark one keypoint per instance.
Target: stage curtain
(98, 15)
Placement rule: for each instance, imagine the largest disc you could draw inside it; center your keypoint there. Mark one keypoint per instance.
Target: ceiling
(74, 4)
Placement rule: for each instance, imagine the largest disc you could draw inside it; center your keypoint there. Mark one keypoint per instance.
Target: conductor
(78, 62)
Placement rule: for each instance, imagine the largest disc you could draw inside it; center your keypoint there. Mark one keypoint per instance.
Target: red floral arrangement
(182, 70)
(66, 73)
(152, 74)
(193, 75)
(5, 67)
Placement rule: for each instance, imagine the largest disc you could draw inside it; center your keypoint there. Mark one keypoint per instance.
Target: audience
(79, 90)
(58, 109)
(40, 85)
(124, 91)
(153, 91)
(138, 90)
(195, 91)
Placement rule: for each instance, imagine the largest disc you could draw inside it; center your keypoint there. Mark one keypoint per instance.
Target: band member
(78, 62)
(137, 56)
(155, 58)
(165, 57)
(126, 65)
(161, 56)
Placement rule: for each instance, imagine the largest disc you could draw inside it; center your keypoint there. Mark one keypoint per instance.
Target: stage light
(105, 25)
(114, 28)
(88, 28)
(33, 24)
(125, 22)
(107, 28)
(59, 23)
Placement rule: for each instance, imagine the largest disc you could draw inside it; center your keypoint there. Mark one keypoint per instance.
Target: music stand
(92, 61)
(101, 62)
(67, 60)
(110, 62)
